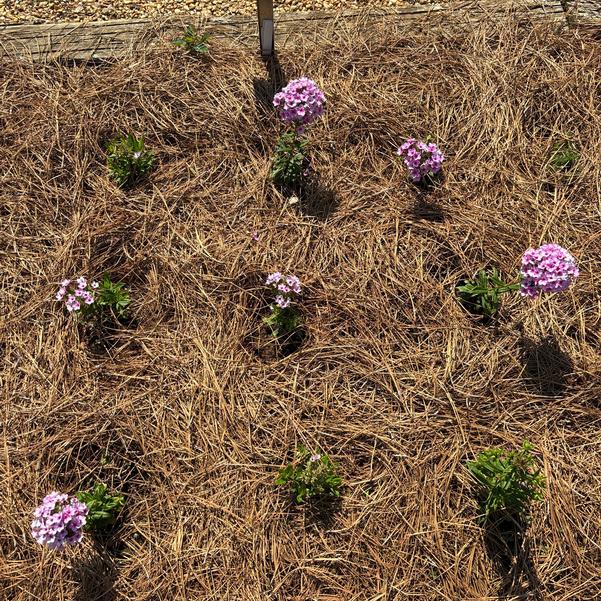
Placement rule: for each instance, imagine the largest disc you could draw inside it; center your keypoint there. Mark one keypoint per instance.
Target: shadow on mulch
(96, 576)
(546, 366)
(266, 89)
(509, 550)
(318, 200)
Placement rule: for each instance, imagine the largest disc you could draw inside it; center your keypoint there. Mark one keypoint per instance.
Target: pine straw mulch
(394, 380)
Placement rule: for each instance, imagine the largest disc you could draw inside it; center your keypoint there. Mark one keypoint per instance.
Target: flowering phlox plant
(93, 299)
(284, 317)
(423, 159)
(128, 160)
(59, 521)
(300, 103)
(547, 269)
(311, 475)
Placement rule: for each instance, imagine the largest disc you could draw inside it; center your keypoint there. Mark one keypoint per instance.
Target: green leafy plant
(112, 296)
(289, 161)
(482, 294)
(103, 507)
(193, 42)
(128, 160)
(282, 321)
(311, 475)
(510, 481)
(564, 156)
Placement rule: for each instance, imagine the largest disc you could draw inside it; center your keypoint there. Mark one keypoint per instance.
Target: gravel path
(13, 11)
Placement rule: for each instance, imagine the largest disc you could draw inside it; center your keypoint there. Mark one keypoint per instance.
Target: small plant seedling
(193, 42)
(289, 160)
(113, 296)
(128, 160)
(484, 291)
(510, 482)
(564, 156)
(103, 507)
(310, 476)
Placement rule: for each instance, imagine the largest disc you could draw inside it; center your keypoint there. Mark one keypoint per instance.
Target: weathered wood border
(109, 39)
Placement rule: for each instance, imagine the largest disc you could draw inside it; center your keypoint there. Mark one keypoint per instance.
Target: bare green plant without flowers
(289, 160)
(564, 156)
(103, 507)
(483, 293)
(128, 160)
(311, 475)
(510, 482)
(193, 42)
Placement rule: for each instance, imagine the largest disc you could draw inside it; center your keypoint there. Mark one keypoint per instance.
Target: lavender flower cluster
(76, 294)
(59, 521)
(300, 102)
(287, 288)
(422, 159)
(548, 268)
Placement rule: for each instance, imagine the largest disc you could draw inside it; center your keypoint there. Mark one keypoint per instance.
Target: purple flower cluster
(286, 287)
(59, 521)
(548, 268)
(76, 293)
(300, 102)
(422, 159)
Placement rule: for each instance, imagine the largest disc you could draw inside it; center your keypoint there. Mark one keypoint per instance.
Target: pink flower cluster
(422, 159)
(77, 293)
(59, 521)
(300, 102)
(548, 268)
(286, 287)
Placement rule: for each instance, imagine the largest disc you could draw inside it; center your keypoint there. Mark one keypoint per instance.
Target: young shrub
(128, 160)
(284, 317)
(483, 293)
(289, 161)
(95, 300)
(423, 159)
(103, 507)
(312, 475)
(564, 156)
(193, 42)
(59, 521)
(510, 482)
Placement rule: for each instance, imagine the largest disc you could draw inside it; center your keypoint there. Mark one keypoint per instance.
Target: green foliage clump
(482, 294)
(128, 160)
(564, 156)
(311, 475)
(112, 296)
(510, 482)
(289, 160)
(103, 507)
(282, 321)
(193, 42)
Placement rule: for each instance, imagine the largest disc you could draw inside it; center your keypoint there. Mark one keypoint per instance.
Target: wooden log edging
(111, 39)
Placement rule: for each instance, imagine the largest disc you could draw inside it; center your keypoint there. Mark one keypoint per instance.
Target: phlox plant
(300, 103)
(564, 156)
(94, 300)
(62, 519)
(311, 475)
(509, 481)
(103, 507)
(284, 317)
(59, 521)
(193, 42)
(423, 159)
(128, 160)
(546, 269)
